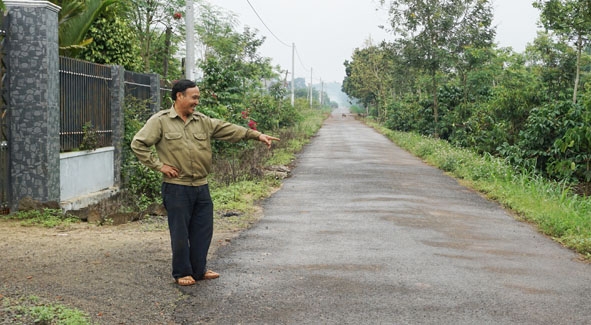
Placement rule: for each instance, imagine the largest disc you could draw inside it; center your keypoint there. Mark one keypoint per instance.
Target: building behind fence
(49, 103)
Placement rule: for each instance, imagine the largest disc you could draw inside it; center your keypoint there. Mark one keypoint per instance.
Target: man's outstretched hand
(267, 139)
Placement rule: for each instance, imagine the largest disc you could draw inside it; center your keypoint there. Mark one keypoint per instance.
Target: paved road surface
(364, 233)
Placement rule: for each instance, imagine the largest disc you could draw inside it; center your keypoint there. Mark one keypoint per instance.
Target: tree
(554, 62)
(369, 77)
(105, 49)
(74, 21)
(150, 19)
(570, 19)
(439, 31)
(231, 64)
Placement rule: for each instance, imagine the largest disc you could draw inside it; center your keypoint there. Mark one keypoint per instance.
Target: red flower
(252, 124)
(177, 15)
(244, 114)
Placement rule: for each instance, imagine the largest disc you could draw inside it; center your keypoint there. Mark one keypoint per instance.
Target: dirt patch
(116, 274)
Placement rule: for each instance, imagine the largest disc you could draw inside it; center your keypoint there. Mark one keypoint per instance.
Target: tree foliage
(106, 49)
(74, 20)
(570, 19)
(444, 77)
(438, 31)
(150, 20)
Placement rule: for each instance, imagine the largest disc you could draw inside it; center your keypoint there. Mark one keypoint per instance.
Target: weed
(90, 139)
(48, 218)
(32, 310)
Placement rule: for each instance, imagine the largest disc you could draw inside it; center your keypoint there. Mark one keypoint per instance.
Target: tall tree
(230, 61)
(554, 62)
(571, 19)
(439, 31)
(369, 77)
(150, 20)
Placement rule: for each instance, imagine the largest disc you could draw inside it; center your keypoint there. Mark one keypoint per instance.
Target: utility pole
(190, 41)
(311, 92)
(292, 74)
(321, 90)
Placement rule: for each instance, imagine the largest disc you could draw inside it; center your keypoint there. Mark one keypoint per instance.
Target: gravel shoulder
(115, 274)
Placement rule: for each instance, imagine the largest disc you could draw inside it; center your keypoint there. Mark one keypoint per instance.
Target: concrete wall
(84, 172)
(32, 89)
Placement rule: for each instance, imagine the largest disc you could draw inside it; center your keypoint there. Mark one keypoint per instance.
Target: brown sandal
(185, 281)
(209, 275)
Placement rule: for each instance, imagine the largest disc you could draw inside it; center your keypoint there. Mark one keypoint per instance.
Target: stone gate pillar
(34, 101)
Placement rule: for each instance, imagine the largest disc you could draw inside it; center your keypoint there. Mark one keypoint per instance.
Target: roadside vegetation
(516, 126)
(552, 206)
(33, 310)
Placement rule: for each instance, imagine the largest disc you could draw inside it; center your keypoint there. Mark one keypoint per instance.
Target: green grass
(48, 218)
(30, 310)
(552, 206)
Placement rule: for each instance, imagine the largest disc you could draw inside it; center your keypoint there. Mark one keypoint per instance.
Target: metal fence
(137, 85)
(84, 103)
(165, 100)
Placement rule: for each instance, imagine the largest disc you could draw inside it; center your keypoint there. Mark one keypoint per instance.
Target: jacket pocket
(172, 135)
(200, 136)
(174, 141)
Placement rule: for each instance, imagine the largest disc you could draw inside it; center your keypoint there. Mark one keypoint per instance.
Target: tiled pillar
(34, 102)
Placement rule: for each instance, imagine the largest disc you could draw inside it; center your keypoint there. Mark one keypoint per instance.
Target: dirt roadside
(116, 274)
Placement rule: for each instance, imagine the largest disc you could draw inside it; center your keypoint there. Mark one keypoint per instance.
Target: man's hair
(180, 87)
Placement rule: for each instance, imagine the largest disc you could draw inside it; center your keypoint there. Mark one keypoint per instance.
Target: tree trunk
(435, 104)
(578, 75)
(167, 42)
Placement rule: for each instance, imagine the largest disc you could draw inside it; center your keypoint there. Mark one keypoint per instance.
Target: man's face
(185, 103)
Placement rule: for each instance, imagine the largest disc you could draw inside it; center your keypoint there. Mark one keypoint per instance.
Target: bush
(140, 182)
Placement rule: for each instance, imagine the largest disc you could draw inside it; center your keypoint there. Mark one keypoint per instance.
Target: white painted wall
(86, 172)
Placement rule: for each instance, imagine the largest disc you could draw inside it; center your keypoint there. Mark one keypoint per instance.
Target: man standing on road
(182, 138)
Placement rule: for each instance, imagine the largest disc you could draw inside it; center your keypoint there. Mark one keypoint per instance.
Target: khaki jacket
(184, 145)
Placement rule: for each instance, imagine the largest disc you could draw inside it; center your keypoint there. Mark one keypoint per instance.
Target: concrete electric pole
(190, 41)
(292, 74)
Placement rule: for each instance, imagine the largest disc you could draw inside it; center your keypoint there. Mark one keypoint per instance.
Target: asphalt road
(364, 233)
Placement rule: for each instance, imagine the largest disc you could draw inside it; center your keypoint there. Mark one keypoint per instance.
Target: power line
(270, 31)
(300, 59)
(277, 38)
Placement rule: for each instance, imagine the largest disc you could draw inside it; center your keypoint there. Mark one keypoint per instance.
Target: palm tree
(74, 19)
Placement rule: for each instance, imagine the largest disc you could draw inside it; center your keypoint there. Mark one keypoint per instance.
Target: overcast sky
(326, 32)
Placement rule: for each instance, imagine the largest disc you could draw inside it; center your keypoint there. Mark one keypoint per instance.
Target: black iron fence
(137, 85)
(165, 100)
(85, 109)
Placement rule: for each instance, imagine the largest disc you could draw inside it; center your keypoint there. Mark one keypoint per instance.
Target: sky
(326, 32)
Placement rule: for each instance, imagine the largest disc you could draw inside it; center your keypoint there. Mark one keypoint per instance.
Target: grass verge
(556, 210)
(48, 218)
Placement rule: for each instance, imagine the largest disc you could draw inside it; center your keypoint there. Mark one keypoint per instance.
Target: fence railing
(137, 85)
(165, 100)
(84, 103)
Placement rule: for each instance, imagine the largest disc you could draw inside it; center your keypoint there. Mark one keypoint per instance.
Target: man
(182, 138)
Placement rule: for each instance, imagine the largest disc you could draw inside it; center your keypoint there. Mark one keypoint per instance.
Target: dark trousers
(190, 221)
